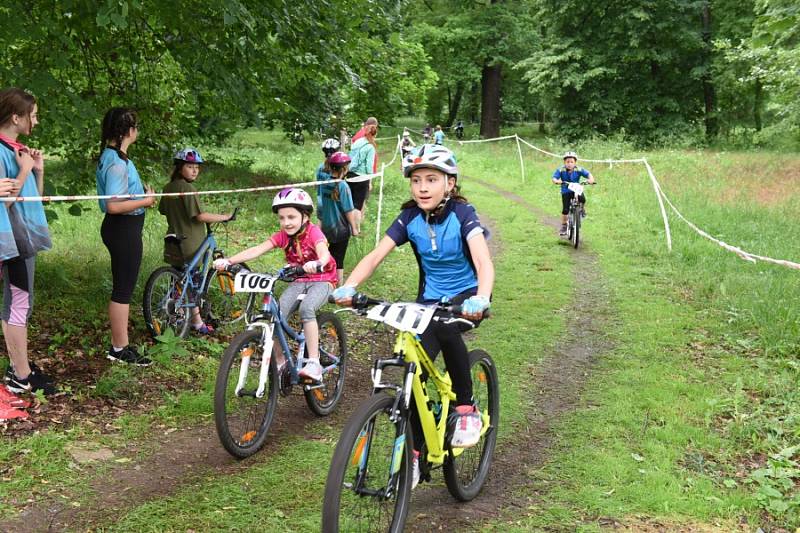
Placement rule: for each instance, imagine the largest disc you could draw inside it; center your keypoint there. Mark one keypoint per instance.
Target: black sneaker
(128, 355)
(9, 375)
(563, 230)
(583, 213)
(33, 383)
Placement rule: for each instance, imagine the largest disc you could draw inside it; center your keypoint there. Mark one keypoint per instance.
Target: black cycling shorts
(567, 198)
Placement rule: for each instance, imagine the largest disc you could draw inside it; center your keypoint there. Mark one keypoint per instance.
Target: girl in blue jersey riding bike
(455, 265)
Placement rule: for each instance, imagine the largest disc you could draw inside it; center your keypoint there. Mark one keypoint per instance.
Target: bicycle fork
(399, 416)
(266, 344)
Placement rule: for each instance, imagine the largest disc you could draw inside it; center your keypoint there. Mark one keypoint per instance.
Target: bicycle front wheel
(241, 414)
(576, 226)
(164, 303)
(466, 472)
(222, 302)
(369, 481)
(333, 357)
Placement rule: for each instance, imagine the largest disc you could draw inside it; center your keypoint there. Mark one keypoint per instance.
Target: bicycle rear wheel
(222, 303)
(371, 446)
(333, 357)
(466, 472)
(164, 301)
(243, 419)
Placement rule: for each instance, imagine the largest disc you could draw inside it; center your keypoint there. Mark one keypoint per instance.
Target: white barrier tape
(747, 256)
(521, 162)
(660, 195)
(380, 205)
(609, 161)
(396, 151)
(75, 198)
(488, 140)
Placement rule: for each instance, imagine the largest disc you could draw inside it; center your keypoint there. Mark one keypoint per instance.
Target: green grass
(700, 390)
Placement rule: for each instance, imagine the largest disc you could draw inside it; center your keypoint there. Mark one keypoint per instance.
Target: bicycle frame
(412, 356)
(269, 317)
(204, 254)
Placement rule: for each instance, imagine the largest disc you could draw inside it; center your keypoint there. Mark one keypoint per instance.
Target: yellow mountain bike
(370, 477)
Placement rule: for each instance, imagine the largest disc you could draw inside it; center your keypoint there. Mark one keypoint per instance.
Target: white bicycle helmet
(330, 146)
(431, 156)
(571, 154)
(293, 197)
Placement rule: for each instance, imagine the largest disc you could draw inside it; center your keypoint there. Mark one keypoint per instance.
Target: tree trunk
(709, 92)
(759, 98)
(490, 100)
(452, 111)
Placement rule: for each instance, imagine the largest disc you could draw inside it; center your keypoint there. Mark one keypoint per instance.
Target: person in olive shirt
(186, 219)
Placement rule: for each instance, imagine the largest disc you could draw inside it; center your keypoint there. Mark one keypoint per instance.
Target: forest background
(652, 72)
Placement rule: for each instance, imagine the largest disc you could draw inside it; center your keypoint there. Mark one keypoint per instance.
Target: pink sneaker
(468, 426)
(11, 399)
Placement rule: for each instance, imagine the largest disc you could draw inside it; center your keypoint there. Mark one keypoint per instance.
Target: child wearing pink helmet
(304, 245)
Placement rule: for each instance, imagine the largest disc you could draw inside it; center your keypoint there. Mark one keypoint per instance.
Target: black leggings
(359, 191)
(566, 198)
(122, 235)
(338, 250)
(447, 339)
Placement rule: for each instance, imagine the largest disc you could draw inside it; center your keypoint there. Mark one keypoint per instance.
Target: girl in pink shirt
(304, 244)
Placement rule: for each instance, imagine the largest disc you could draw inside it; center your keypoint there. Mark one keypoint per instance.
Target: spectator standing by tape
(23, 234)
(335, 209)
(438, 136)
(364, 161)
(122, 226)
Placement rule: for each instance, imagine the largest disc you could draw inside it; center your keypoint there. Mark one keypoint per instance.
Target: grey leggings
(316, 294)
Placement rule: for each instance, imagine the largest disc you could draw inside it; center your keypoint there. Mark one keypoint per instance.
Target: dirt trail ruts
(554, 392)
(179, 459)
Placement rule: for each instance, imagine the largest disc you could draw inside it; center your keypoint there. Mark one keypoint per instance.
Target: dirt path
(173, 460)
(556, 386)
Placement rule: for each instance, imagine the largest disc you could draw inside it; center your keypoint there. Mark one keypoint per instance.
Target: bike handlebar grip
(234, 269)
(457, 310)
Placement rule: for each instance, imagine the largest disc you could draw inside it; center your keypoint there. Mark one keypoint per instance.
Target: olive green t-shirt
(181, 212)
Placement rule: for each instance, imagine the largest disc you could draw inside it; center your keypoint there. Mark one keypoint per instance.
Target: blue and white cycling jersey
(440, 246)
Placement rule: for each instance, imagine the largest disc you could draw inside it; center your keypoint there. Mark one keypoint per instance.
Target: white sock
(117, 349)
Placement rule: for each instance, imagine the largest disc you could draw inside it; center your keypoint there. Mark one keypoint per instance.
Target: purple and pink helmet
(293, 197)
(339, 159)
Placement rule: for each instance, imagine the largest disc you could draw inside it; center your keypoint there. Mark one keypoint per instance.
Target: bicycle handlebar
(561, 182)
(288, 273)
(360, 302)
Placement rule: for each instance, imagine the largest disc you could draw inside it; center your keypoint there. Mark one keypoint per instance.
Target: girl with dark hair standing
(23, 233)
(122, 226)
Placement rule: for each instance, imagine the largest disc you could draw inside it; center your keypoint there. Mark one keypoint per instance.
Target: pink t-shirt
(303, 249)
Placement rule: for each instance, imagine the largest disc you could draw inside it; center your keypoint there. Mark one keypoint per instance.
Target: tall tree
(469, 43)
(631, 65)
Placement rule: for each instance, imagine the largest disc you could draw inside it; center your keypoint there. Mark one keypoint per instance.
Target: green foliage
(461, 37)
(203, 69)
(628, 65)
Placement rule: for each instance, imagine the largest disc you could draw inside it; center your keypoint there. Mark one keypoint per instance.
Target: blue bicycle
(248, 379)
(172, 296)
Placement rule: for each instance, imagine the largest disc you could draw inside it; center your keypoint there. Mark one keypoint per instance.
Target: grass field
(690, 421)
